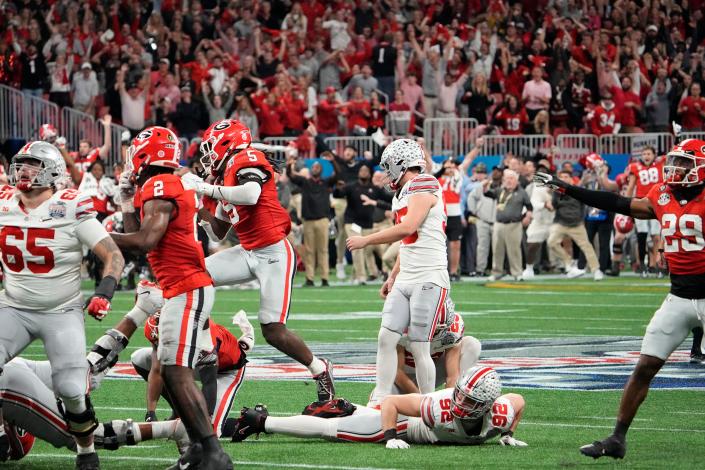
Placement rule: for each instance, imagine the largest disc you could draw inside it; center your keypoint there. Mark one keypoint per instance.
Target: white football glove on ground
(510, 441)
(397, 444)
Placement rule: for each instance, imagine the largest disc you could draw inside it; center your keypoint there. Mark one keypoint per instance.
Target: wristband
(508, 433)
(106, 288)
(390, 434)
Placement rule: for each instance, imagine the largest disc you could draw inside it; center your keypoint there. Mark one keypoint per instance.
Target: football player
(29, 402)
(470, 413)
(166, 231)
(679, 205)
(221, 371)
(417, 287)
(248, 203)
(42, 238)
(642, 176)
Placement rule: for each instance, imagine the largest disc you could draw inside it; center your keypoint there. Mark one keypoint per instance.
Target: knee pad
(617, 249)
(105, 351)
(79, 423)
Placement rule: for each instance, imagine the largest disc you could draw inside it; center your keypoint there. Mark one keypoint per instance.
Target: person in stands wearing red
(631, 107)
(358, 112)
(511, 118)
(327, 115)
(604, 118)
(271, 115)
(691, 110)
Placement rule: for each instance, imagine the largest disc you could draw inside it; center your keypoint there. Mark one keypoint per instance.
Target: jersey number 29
(691, 228)
(12, 255)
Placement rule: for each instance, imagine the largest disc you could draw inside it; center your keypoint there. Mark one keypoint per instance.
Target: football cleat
(697, 358)
(325, 383)
(251, 421)
(609, 447)
(216, 461)
(87, 461)
(190, 459)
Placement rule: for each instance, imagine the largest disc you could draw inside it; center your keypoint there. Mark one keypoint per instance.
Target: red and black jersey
(266, 222)
(512, 123)
(177, 261)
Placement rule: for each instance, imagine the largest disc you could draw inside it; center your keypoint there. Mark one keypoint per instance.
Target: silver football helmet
(26, 175)
(398, 157)
(474, 393)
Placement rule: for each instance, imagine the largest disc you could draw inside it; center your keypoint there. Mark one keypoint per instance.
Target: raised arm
(107, 141)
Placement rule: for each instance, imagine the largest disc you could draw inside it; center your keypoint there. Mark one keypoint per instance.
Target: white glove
(510, 441)
(126, 188)
(247, 340)
(60, 142)
(193, 181)
(397, 444)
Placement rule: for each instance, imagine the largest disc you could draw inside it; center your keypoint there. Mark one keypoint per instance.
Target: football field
(567, 345)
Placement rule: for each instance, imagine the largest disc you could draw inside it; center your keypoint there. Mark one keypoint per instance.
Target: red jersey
(646, 176)
(628, 115)
(82, 163)
(681, 229)
(512, 122)
(229, 353)
(177, 261)
(266, 222)
(358, 114)
(691, 119)
(327, 117)
(603, 121)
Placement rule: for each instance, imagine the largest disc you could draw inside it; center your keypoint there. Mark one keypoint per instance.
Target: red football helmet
(19, 442)
(151, 328)
(48, 133)
(591, 161)
(154, 146)
(685, 163)
(222, 139)
(623, 223)
(622, 179)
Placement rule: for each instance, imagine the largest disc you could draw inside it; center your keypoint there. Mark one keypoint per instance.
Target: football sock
(85, 450)
(641, 244)
(470, 349)
(620, 430)
(425, 368)
(697, 341)
(302, 426)
(386, 363)
(163, 429)
(316, 367)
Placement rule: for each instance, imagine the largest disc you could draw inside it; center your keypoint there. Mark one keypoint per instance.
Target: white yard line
(103, 457)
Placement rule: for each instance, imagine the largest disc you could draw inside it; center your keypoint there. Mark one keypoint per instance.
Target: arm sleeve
(90, 232)
(220, 213)
(242, 195)
(611, 202)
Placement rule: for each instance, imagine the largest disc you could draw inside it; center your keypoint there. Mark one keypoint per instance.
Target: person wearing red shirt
(294, 107)
(313, 9)
(643, 175)
(358, 112)
(327, 115)
(604, 118)
(166, 231)
(245, 185)
(511, 117)
(378, 115)
(630, 107)
(691, 110)
(270, 115)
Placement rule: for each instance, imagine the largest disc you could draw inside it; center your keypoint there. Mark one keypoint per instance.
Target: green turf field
(567, 346)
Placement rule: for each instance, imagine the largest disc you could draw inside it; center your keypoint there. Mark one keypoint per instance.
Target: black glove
(150, 416)
(544, 179)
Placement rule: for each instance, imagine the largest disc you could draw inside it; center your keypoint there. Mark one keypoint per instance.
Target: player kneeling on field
(470, 413)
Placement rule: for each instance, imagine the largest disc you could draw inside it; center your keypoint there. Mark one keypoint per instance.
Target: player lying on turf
(221, 371)
(29, 402)
(470, 413)
(452, 353)
(679, 205)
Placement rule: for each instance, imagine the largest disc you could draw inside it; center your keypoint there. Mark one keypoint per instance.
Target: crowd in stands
(541, 66)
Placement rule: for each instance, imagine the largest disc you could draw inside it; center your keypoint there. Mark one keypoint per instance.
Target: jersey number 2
(691, 228)
(13, 257)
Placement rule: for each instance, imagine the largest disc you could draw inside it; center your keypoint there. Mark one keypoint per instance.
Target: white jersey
(422, 254)
(42, 249)
(437, 424)
(440, 343)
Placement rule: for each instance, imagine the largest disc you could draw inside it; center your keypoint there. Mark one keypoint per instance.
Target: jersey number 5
(691, 228)
(12, 255)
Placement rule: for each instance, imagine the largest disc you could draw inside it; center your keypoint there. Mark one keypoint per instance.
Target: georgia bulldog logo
(222, 125)
(144, 135)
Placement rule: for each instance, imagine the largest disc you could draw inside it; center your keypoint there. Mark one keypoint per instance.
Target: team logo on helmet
(145, 134)
(224, 124)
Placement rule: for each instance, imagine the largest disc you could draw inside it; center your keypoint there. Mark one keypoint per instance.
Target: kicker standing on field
(42, 238)
(418, 285)
(679, 205)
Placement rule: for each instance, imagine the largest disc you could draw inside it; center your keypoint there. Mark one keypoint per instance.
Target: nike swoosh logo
(184, 467)
(272, 261)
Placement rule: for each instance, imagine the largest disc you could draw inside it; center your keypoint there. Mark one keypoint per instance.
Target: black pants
(468, 249)
(603, 229)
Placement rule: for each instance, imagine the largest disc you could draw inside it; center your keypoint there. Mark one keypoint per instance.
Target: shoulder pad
(71, 202)
(252, 174)
(166, 186)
